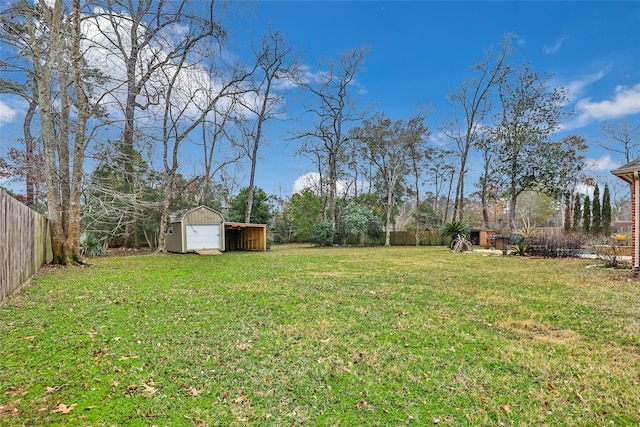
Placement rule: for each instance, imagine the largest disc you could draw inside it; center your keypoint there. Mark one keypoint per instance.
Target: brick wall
(633, 221)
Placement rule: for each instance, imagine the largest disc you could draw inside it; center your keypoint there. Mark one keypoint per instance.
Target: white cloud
(585, 189)
(626, 101)
(309, 180)
(602, 164)
(193, 89)
(7, 114)
(576, 87)
(555, 47)
(439, 139)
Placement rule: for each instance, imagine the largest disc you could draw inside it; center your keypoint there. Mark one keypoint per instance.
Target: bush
(556, 245)
(360, 220)
(458, 232)
(609, 250)
(322, 233)
(91, 246)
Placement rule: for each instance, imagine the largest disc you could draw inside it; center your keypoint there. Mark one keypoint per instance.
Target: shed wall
(482, 237)
(174, 239)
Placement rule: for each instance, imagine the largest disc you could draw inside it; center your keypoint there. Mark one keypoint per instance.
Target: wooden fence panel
(400, 238)
(25, 244)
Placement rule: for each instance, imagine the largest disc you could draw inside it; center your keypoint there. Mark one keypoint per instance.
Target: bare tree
(190, 97)
(390, 146)
(622, 138)
(440, 173)
(26, 164)
(334, 111)
(276, 63)
(416, 134)
(472, 103)
(135, 40)
(219, 146)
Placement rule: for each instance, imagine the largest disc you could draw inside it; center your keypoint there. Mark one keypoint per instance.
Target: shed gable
(202, 215)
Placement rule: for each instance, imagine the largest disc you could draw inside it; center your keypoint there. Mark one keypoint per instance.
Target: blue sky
(422, 50)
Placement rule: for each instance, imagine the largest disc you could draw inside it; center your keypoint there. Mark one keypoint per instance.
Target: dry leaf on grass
(63, 409)
(54, 389)
(14, 391)
(148, 390)
(193, 392)
(9, 408)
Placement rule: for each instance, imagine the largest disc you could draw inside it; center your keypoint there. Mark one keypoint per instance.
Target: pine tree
(577, 213)
(606, 210)
(586, 214)
(596, 212)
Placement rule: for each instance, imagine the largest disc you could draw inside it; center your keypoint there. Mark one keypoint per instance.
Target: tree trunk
(43, 72)
(485, 211)
(164, 215)
(446, 209)
(458, 206)
(417, 184)
(72, 243)
(333, 189)
(512, 213)
(30, 179)
(387, 239)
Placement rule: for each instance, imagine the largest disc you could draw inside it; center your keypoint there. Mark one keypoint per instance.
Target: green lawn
(323, 336)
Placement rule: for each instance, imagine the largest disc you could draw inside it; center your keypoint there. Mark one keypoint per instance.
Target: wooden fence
(25, 244)
(401, 238)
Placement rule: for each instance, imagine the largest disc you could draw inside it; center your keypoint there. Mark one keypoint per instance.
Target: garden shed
(195, 229)
(240, 236)
(482, 237)
(631, 173)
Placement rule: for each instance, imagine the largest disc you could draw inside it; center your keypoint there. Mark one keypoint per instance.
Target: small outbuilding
(240, 236)
(631, 173)
(204, 229)
(191, 230)
(482, 237)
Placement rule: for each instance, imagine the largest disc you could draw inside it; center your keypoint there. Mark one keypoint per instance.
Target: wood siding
(174, 240)
(202, 215)
(245, 237)
(25, 247)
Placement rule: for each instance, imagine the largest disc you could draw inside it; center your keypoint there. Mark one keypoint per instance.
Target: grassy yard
(335, 336)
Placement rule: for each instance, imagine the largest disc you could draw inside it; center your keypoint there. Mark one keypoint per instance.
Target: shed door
(203, 237)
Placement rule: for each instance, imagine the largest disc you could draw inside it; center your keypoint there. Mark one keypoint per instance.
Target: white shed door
(203, 237)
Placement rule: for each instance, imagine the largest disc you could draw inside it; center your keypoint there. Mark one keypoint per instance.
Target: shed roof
(240, 225)
(178, 216)
(626, 171)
